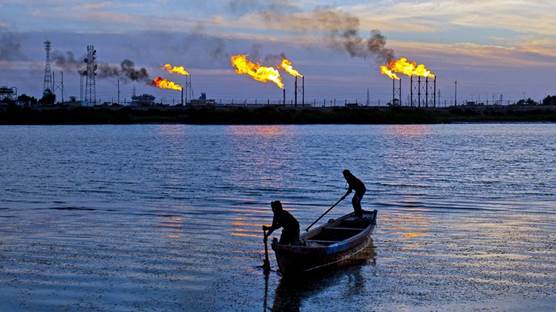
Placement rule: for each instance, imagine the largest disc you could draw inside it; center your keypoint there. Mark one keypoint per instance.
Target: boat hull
(310, 258)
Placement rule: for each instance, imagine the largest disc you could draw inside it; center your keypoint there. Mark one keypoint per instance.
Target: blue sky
(491, 47)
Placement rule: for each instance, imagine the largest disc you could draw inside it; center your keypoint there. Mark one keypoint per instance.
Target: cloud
(520, 16)
(528, 55)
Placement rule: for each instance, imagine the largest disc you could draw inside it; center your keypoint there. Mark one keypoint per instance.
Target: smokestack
(411, 90)
(400, 94)
(182, 96)
(393, 91)
(419, 92)
(426, 91)
(303, 90)
(284, 96)
(295, 88)
(434, 99)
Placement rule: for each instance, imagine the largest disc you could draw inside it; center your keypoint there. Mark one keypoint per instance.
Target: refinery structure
(419, 91)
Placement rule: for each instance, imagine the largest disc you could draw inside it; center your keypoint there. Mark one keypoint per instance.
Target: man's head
(276, 206)
(346, 173)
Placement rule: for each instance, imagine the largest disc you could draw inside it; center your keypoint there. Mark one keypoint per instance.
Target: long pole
(266, 263)
(327, 211)
(284, 96)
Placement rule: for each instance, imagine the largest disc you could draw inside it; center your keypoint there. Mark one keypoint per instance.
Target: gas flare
(162, 83)
(288, 67)
(405, 67)
(243, 66)
(180, 70)
(388, 72)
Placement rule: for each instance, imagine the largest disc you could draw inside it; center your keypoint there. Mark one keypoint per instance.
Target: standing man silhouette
(354, 184)
(282, 218)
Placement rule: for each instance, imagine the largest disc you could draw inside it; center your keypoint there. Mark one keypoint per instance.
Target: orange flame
(180, 70)
(162, 83)
(388, 72)
(244, 66)
(288, 67)
(405, 67)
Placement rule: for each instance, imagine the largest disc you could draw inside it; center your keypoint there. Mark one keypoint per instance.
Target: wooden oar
(327, 211)
(266, 263)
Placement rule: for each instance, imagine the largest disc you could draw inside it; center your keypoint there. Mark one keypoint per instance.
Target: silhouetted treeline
(116, 114)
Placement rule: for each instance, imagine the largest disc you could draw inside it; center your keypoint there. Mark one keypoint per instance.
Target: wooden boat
(330, 244)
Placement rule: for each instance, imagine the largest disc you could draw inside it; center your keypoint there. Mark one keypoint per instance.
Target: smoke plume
(68, 62)
(340, 29)
(10, 47)
(126, 71)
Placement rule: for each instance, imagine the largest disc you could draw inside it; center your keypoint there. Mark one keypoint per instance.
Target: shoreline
(273, 115)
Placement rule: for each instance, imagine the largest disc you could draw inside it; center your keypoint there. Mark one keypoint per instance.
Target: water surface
(168, 217)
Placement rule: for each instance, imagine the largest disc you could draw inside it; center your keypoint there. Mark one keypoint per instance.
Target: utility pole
(118, 91)
(368, 97)
(53, 89)
(456, 93)
(80, 88)
(62, 85)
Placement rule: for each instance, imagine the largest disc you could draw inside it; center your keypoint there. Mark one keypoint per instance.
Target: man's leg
(356, 202)
(295, 237)
(289, 237)
(285, 238)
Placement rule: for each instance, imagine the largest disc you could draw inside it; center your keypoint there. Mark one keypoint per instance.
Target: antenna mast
(90, 83)
(47, 82)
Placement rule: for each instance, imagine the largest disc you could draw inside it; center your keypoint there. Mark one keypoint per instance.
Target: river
(168, 217)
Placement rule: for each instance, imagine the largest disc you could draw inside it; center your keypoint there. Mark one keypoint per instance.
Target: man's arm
(275, 225)
(349, 190)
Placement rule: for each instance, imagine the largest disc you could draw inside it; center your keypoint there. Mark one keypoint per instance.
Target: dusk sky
(491, 47)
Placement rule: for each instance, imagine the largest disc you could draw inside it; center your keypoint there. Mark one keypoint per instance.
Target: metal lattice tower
(188, 89)
(47, 82)
(90, 82)
(397, 92)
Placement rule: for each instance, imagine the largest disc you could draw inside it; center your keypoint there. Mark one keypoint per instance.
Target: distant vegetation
(28, 110)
